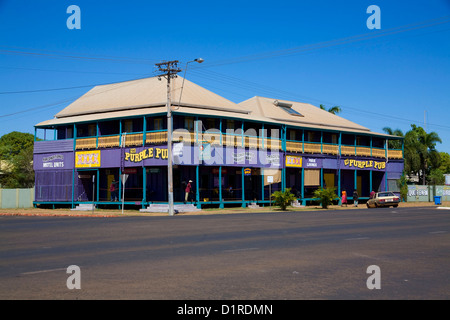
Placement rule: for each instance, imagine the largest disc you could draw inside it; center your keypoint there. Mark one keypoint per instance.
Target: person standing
(112, 190)
(355, 198)
(187, 191)
(344, 198)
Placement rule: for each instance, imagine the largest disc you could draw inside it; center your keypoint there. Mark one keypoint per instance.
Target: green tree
(325, 196)
(283, 199)
(420, 153)
(426, 148)
(16, 149)
(403, 186)
(333, 110)
(13, 143)
(394, 144)
(436, 177)
(445, 162)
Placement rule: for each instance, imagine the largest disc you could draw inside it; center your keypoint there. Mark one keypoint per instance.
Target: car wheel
(395, 205)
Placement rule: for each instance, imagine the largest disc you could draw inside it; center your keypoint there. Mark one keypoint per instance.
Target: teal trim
(96, 143)
(243, 187)
(321, 177)
(98, 184)
(321, 141)
(73, 187)
(220, 188)
(74, 137)
(144, 186)
(144, 130)
(197, 187)
(120, 185)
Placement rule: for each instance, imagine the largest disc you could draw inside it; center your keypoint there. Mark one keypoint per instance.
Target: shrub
(283, 198)
(325, 196)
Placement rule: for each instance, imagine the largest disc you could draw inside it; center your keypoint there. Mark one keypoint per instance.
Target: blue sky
(293, 50)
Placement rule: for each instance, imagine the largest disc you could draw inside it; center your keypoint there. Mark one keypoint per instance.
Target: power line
(51, 54)
(330, 43)
(70, 71)
(66, 88)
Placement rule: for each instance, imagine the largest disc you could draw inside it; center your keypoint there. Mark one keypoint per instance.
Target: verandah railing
(235, 140)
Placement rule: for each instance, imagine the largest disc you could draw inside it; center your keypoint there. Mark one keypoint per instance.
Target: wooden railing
(160, 137)
(86, 143)
(109, 142)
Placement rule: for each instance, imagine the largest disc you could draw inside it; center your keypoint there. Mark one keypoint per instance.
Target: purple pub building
(233, 153)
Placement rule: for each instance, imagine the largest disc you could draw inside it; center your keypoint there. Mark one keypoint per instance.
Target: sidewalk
(237, 210)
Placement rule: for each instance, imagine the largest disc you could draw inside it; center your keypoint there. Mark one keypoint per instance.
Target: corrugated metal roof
(309, 115)
(147, 92)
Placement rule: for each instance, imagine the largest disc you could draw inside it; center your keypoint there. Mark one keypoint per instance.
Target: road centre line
(361, 238)
(239, 250)
(42, 271)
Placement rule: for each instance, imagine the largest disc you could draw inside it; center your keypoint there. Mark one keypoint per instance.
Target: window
(189, 124)
(92, 130)
(292, 135)
(334, 138)
(128, 126)
(158, 124)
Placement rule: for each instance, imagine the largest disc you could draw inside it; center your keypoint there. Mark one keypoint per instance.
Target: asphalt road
(270, 256)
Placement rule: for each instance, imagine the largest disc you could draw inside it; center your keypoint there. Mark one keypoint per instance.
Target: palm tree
(425, 144)
(333, 110)
(394, 144)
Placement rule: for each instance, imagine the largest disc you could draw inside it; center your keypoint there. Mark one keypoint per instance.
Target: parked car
(383, 199)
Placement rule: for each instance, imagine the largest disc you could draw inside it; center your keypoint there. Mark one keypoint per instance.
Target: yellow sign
(87, 159)
(294, 161)
(156, 153)
(364, 164)
(248, 171)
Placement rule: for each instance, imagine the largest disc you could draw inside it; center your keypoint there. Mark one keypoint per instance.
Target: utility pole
(169, 70)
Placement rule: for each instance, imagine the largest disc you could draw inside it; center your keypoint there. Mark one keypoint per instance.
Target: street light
(199, 60)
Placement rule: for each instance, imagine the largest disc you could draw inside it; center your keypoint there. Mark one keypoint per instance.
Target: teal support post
(144, 130)
(370, 182)
(356, 180)
(221, 133)
(98, 185)
(221, 206)
(197, 186)
(321, 141)
(371, 145)
(303, 187)
(144, 187)
(262, 183)
(73, 187)
(96, 135)
(303, 141)
(74, 137)
(243, 188)
(120, 187)
(321, 177)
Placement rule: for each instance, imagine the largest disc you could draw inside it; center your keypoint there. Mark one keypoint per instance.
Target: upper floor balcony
(153, 131)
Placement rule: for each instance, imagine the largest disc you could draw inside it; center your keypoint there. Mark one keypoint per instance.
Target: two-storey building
(231, 152)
